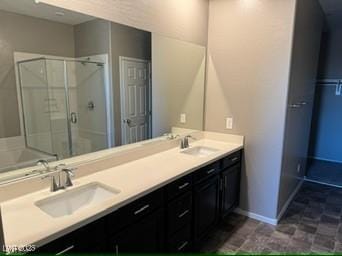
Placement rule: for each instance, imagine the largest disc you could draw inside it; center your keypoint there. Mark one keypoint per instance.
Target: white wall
(185, 20)
(249, 52)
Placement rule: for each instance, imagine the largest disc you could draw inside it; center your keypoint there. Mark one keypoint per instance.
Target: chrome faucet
(171, 136)
(185, 141)
(56, 181)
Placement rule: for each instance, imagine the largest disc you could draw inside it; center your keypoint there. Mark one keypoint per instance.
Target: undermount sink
(71, 201)
(200, 151)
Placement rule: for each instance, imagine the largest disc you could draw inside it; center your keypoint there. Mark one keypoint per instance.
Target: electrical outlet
(229, 123)
(299, 168)
(183, 118)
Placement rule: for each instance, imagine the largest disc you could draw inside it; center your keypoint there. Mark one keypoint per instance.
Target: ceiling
(44, 11)
(333, 12)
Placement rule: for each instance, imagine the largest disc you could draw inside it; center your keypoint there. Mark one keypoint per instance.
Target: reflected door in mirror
(135, 90)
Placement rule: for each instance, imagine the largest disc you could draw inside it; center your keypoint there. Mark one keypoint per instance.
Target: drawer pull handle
(211, 171)
(183, 214)
(116, 250)
(66, 250)
(182, 246)
(235, 159)
(184, 185)
(141, 209)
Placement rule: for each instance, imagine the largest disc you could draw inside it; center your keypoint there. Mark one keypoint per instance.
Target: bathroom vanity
(174, 218)
(165, 202)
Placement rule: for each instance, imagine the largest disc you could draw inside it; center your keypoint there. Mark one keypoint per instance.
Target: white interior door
(135, 98)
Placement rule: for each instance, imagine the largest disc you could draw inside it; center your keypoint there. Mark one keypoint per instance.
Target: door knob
(127, 121)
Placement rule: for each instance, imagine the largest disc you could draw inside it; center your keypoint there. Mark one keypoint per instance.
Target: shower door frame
(107, 90)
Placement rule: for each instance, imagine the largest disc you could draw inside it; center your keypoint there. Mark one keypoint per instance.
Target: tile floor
(324, 171)
(312, 224)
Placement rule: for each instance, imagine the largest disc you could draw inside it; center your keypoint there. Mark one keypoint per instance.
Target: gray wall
(27, 34)
(128, 42)
(92, 38)
(100, 36)
(326, 136)
(249, 53)
(304, 64)
(184, 20)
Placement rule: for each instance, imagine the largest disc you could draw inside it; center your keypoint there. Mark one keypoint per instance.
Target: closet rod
(329, 82)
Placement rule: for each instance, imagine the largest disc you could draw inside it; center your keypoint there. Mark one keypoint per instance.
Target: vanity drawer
(181, 241)
(78, 241)
(207, 171)
(136, 210)
(231, 160)
(178, 187)
(179, 213)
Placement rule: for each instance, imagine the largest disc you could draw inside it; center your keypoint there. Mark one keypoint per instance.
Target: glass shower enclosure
(64, 105)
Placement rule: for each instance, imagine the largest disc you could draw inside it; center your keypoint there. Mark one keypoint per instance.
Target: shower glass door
(87, 106)
(64, 106)
(58, 100)
(35, 101)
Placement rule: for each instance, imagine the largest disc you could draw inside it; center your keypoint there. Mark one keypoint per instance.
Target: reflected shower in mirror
(72, 84)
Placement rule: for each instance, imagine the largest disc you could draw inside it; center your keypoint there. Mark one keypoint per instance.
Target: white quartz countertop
(25, 224)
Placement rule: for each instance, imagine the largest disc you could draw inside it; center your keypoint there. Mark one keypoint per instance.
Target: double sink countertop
(24, 223)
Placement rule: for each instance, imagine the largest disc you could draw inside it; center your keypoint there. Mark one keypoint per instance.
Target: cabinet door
(231, 189)
(144, 236)
(206, 206)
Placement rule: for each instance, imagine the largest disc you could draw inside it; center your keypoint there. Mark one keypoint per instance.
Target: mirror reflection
(71, 84)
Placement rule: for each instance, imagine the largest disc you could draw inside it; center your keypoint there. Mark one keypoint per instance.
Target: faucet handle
(60, 167)
(69, 172)
(43, 163)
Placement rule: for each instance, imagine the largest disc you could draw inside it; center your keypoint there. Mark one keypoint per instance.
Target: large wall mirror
(71, 84)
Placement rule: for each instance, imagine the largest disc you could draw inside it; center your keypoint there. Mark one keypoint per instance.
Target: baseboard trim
(256, 216)
(322, 183)
(289, 200)
(325, 159)
(268, 220)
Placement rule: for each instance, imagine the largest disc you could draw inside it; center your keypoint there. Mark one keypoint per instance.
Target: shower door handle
(73, 118)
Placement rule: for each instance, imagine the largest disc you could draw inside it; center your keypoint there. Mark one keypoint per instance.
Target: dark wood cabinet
(175, 218)
(230, 189)
(79, 241)
(206, 207)
(144, 236)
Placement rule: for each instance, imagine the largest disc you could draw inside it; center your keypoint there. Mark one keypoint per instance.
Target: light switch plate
(183, 118)
(229, 123)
